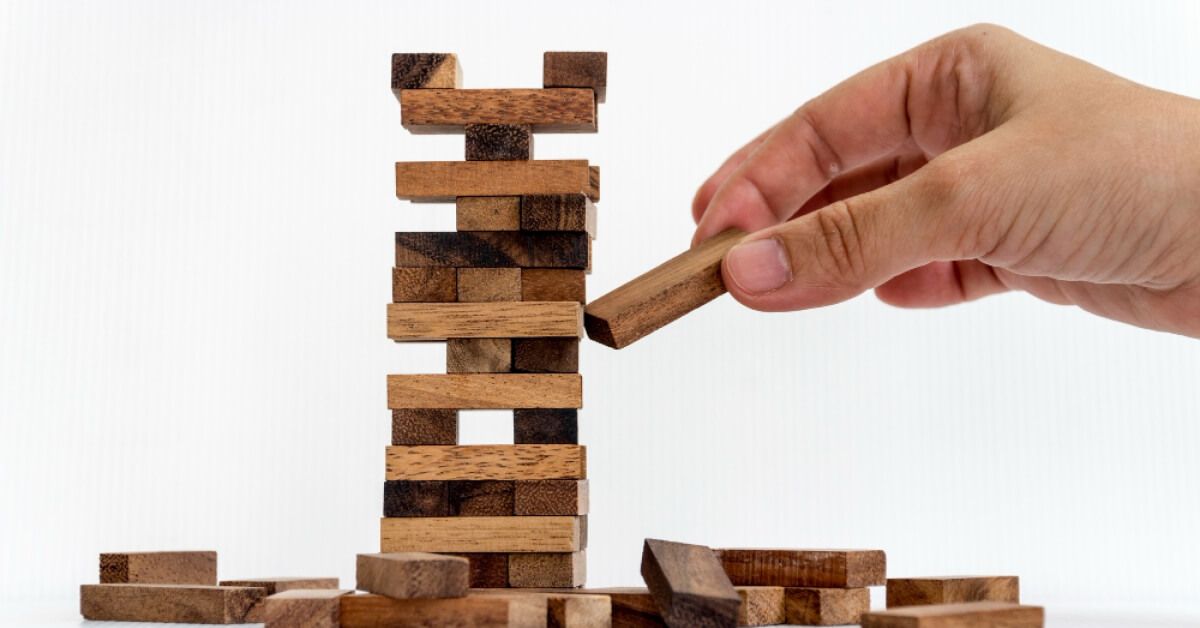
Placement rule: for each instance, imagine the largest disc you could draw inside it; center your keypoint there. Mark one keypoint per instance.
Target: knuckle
(839, 250)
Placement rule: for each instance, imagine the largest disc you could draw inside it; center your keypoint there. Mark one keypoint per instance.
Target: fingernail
(759, 266)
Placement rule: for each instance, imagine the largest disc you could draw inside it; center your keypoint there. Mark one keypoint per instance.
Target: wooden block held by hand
(486, 391)
(814, 606)
(576, 69)
(964, 614)
(804, 567)
(195, 604)
(425, 70)
(304, 608)
(498, 142)
(412, 575)
(158, 568)
(688, 584)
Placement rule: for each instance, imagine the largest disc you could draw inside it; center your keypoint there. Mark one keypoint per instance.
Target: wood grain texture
(962, 615)
(304, 608)
(488, 213)
(271, 586)
(424, 70)
(412, 575)
(478, 355)
(488, 570)
(553, 284)
(559, 570)
(483, 391)
(558, 212)
(480, 285)
(158, 568)
(472, 611)
(424, 285)
(424, 426)
(761, 606)
(952, 589)
(444, 180)
(632, 607)
(498, 142)
(566, 608)
(481, 534)
(449, 111)
(494, 249)
(521, 319)
(812, 606)
(550, 497)
(545, 355)
(487, 462)
(546, 426)
(576, 69)
(439, 498)
(183, 603)
(674, 288)
(804, 567)
(688, 584)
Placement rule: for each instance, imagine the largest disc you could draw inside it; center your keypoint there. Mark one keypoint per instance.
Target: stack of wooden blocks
(506, 293)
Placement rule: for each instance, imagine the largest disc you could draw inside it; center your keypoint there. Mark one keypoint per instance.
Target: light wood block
(487, 462)
(448, 111)
(566, 608)
(437, 498)
(492, 249)
(962, 615)
(424, 285)
(304, 608)
(497, 142)
(761, 606)
(479, 285)
(576, 69)
(271, 586)
(412, 575)
(158, 568)
(488, 213)
(482, 534)
(426, 70)
(545, 355)
(553, 284)
(483, 391)
(558, 212)
(804, 567)
(424, 426)
(545, 426)
(812, 606)
(688, 585)
(472, 611)
(952, 589)
(558, 570)
(184, 603)
(478, 355)
(550, 497)
(522, 319)
(444, 180)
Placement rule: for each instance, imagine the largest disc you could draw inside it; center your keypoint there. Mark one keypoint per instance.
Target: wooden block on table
(558, 212)
(424, 285)
(550, 497)
(520, 319)
(482, 534)
(813, 606)
(566, 608)
(480, 611)
(761, 606)
(557, 570)
(674, 288)
(424, 426)
(488, 213)
(553, 284)
(185, 603)
(427, 70)
(304, 608)
(804, 568)
(487, 462)
(489, 284)
(488, 570)
(271, 586)
(158, 568)
(498, 142)
(492, 249)
(478, 355)
(438, 498)
(412, 575)
(546, 426)
(445, 111)
(688, 584)
(545, 355)
(484, 391)
(632, 607)
(964, 614)
(444, 180)
(576, 69)
(952, 589)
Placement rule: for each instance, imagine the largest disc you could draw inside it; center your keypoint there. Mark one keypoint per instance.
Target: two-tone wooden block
(814, 606)
(576, 69)
(804, 567)
(159, 568)
(952, 589)
(428, 70)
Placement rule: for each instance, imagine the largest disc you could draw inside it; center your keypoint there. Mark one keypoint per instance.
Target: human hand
(975, 163)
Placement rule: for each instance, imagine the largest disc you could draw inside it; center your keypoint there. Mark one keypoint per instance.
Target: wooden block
(488, 570)
(804, 568)
(688, 584)
(498, 142)
(632, 607)
(424, 426)
(761, 606)
(489, 284)
(545, 355)
(271, 586)
(566, 608)
(487, 498)
(488, 213)
(674, 288)
(483, 391)
(558, 212)
(304, 608)
(952, 589)
(520, 319)
(445, 111)
(478, 611)
(412, 575)
(481, 534)
(158, 568)
(424, 71)
(811, 606)
(487, 462)
(962, 615)
(184, 603)
(576, 69)
(478, 355)
(424, 285)
(444, 180)
(406, 498)
(553, 284)
(593, 189)
(494, 249)
(550, 497)
(545, 426)
(558, 570)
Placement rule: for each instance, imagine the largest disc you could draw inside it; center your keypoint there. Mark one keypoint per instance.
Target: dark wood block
(558, 212)
(566, 570)
(487, 498)
(632, 607)
(952, 589)
(424, 285)
(478, 355)
(487, 213)
(553, 284)
(688, 585)
(498, 142)
(184, 603)
(813, 606)
(550, 497)
(488, 570)
(804, 567)
(424, 70)
(422, 426)
(546, 426)
(576, 69)
(477, 285)
(545, 355)
(412, 575)
(961, 615)
(158, 568)
(495, 249)
(408, 498)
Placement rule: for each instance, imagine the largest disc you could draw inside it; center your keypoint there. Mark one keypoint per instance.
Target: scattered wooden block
(304, 608)
(558, 212)
(271, 586)
(674, 288)
(632, 607)
(545, 355)
(494, 249)
(488, 570)
(483, 391)
(439, 498)
(158, 568)
(446, 111)
(812, 606)
(424, 71)
(424, 426)
(478, 355)
(185, 603)
(412, 575)
(521, 319)
(498, 142)
(969, 614)
(558, 570)
(480, 611)
(952, 589)
(566, 608)
(489, 284)
(488, 213)
(546, 426)
(482, 534)
(550, 497)
(576, 69)
(444, 180)
(804, 568)
(761, 606)
(487, 462)
(553, 284)
(424, 285)
(688, 584)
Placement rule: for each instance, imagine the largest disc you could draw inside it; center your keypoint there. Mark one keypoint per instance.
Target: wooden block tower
(506, 293)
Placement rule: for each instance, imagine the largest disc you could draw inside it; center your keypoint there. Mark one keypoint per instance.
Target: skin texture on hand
(976, 163)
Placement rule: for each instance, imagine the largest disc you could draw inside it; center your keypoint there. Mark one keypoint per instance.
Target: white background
(196, 217)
